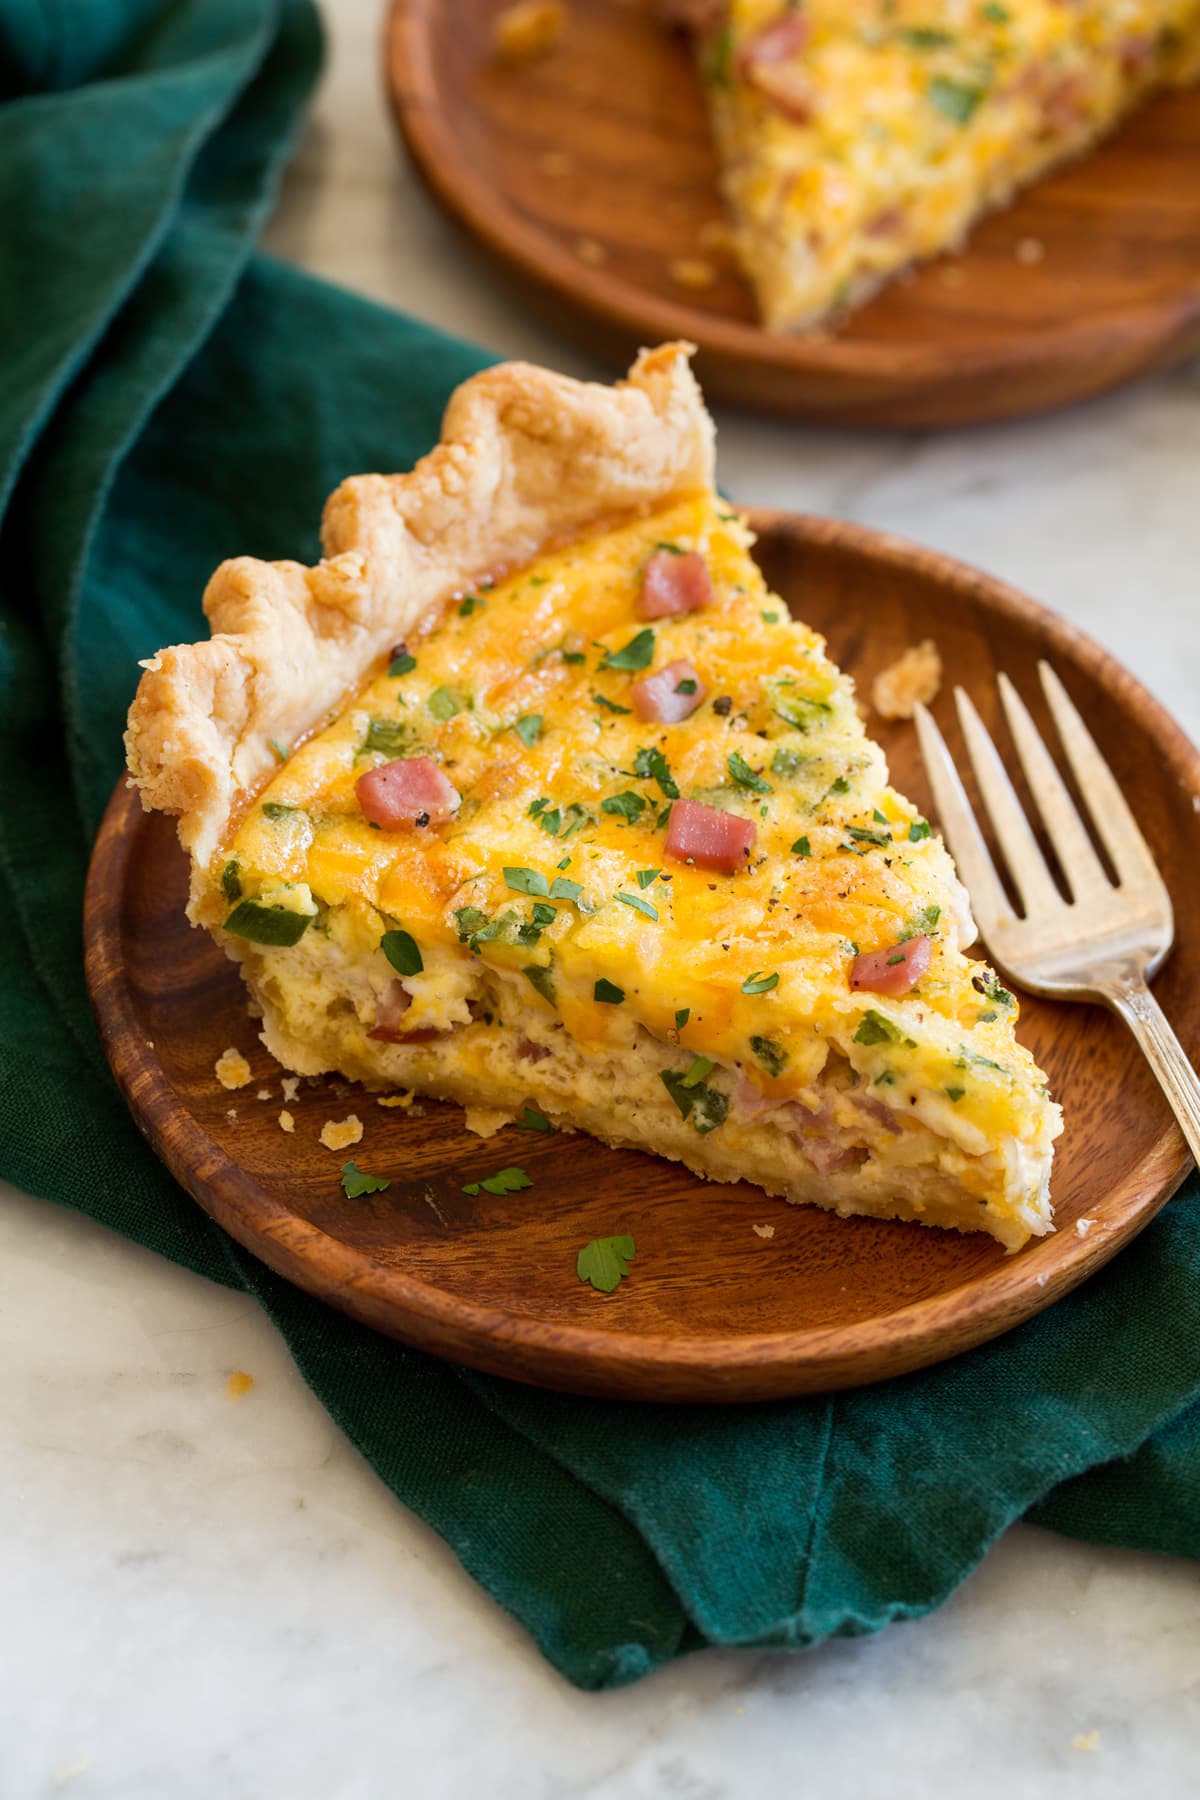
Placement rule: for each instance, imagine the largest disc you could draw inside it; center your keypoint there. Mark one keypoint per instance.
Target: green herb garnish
(275, 926)
(504, 1181)
(231, 881)
(638, 653)
(652, 765)
(562, 889)
(387, 735)
(470, 603)
(861, 835)
(628, 806)
(647, 877)
(682, 1017)
(639, 904)
(542, 979)
(532, 1120)
(772, 1056)
(955, 1093)
(528, 728)
(444, 703)
(801, 847)
(875, 1029)
(758, 983)
(704, 1106)
(785, 762)
(957, 100)
(402, 952)
(608, 993)
(744, 775)
(918, 830)
(278, 750)
(527, 881)
(605, 1262)
(609, 705)
(404, 664)
(356, 1182)
(275, 810)
(926, 37)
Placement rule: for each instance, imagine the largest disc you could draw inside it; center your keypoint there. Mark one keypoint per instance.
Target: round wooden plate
(712, 1310)
(601, 150)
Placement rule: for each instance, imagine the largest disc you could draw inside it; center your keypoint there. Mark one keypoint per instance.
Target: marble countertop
(209, 1600)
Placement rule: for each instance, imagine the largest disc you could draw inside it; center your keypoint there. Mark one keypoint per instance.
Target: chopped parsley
(647, 877)
(444, 703)
(402, 664)
(769, 618)
(785, 762)
(786, 710)
(562, 889)
(801, 847)
(387, 735)
(741, 772)
(682, 1017)
(875, 1029)
(921, 923)
(996, 14)
(968, 1059)
(701, 1066)
(605, 1262)
(687, 686)
(504, 1181)
(955, 1093)
(861, 835)
(957, 100)
(840, 786)
(275, 926)
(609, 705)
(470, 603)
(758, 983)
(278, 750)
(572, 656)
(402, 952)
(918, 830)
(608, 993)
(532, 1120)
(704, 1106)
(987, 985)
(639, 904)
(356, 1182)
(719, 68)
(638, 653)
(926, 37)
(528, 728)
(652, 765)
(628, 806)
(543, 915)
(231, 881)
(671, 549)
(527, 881)
(275, 810)
(542, 979)
(772, 1056)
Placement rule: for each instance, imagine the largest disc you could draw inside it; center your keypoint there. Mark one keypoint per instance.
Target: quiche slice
(859, 136)
(531, 794)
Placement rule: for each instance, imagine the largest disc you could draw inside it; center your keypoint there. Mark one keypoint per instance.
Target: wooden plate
(711, 1311)
(980, 336)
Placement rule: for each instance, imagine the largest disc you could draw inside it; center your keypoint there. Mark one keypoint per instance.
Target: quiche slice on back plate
(859, 136)
(531, 794)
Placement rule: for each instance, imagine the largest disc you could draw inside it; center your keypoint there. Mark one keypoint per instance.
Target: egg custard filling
(596, 829)
(859, 136)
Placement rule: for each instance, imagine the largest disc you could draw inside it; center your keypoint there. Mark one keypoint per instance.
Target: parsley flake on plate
(356, 1182)
(504, 1181)
(605, 1262)
(532, 1120)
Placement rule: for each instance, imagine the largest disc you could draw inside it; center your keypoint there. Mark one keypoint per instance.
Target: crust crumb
(528, 30)
(263, 1094)
(239, 1383)
(1083, 1226)
(591, 252)
(231, 1069)
(394, 1100)
(339, 1134)
(486, 1121)
(692, 272)
(286, 1121)
(1086, 1740)
(915, 676)
(291, 1087)
(763, 1231)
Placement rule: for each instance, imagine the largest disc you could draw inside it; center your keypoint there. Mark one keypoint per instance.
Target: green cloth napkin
(169, 399)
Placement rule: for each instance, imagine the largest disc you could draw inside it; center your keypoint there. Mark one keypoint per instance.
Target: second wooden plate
(713, 1310)
(591, 172)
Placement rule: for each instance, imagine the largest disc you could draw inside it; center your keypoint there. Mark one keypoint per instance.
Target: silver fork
(1106, 941)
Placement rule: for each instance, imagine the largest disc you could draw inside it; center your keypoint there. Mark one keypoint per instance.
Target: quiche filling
(858, 136)
(598, 832)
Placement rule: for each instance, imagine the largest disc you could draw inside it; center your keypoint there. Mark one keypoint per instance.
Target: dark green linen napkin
(167, 400)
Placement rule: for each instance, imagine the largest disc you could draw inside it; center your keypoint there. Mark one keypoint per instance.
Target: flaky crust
(526, 458)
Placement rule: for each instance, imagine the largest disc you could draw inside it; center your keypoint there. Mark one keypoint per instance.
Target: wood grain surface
(711, 1310)
(590, 172)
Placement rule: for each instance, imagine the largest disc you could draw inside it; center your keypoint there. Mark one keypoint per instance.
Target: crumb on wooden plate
(591, 252)
(692, 272)
(763, 1231)
(291, 1087)
(1083, 1226)
(239, 1383)
(339, 1134)
(914, 677)
(528, 30)
(232, 1070)
(264, 1094)
(1086, 1740)
(1029, 250)
(286, 1121)
(394, 1100)
(486, 1121)
(231, 1115)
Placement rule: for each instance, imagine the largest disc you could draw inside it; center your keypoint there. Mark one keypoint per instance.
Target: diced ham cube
(674, 581)
(389, 1019)
(657, 697)
(708, 836)
(894, 970)
(410, 791)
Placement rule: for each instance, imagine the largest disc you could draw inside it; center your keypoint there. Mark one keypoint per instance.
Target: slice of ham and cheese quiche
(574, 815)
(859, 136)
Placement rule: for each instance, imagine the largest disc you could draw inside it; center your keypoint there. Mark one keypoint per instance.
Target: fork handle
(1132, 1001)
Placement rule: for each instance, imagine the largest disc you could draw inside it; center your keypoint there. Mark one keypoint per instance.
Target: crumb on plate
(286, 1121)
(264, 1094)
(589, 251)
(339, 1134)
(394, 1100)
(291, 1087)
(528, 30)
(231, 1069)
(486, 1121)
(1083, 1226)
(239, 1383)
(763, 1231)
(915, 676)
(692, 272)
(1086, 1740)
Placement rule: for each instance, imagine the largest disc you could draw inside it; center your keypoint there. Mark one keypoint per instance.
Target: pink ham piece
(893, 971)
(410, 791)
(656, 697)
(674, 581)
(708, 837)
(389, 1019)
(775, 43)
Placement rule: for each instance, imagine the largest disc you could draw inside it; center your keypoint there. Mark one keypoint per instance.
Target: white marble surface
(205, 1600)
